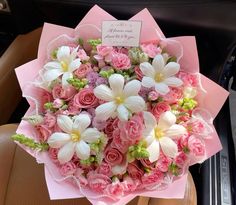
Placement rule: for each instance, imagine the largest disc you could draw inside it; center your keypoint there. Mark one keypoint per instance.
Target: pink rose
(53, 154)
(138, 72)
(173, 95)
(134, 171)
(105, 169)
(181, 159)
(98, 182)
(113, 156)
(83, 70)
(196, 146)
(82, 55)
(163, 163)
(67, 169)
(152, 178)
(116, 189)
(132, 129)
(151, 49)
(153, 95)
(85, 98)
(109, 128)
(104, 50)
(44, 97)
(120, 61)
(119, 143)
(49, 120)
(66, 93)
(43, 132)
(160, 108)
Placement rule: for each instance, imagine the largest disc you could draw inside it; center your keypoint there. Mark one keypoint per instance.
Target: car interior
(212, 22)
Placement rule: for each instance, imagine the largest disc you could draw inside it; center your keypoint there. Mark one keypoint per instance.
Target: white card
(121, 33)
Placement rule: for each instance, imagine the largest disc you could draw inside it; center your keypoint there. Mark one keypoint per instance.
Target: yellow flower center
(75, 136)
(159, 77)
(64, 66)
(158, 133)
(119, 100)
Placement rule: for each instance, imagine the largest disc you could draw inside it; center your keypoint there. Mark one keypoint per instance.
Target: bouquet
(112, 122)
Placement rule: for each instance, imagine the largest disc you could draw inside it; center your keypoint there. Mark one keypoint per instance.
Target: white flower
(161, 134)
(64, 65)
(121, 100)
(159, 75)
(76, 138)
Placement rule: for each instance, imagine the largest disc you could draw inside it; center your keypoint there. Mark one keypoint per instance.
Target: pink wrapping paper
(150, 32)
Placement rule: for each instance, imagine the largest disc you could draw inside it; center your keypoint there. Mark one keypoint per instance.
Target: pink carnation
(83, 70)
(49, 120)
(188, 79)
(132, 129)
(105, 169)
(150, 49)
(153, 178)
(85, 98)
(196, 146)
(116, 189)
(120, 61)
(129, 184)
(67, 169)
(173, 95)
(98, 182)
(118, 142)
(163, 163)
(181, 159)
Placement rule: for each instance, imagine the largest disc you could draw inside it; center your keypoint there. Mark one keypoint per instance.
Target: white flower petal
(166, 120)
(168, 146)
(58, 139)
(132, 88)
(52, 74)
(123, 113)
(149, 120)
(52, 65)
(148, 82)
(147, 69)
(81, 122)
(149, 138)
(171, 69)
(175, 130)
(91, 135)
(162, 88)
(82, 150)
(66, 76)
(65, 123)
(63, 53)
(173, 81)
(66, 153)
(135, 104)
(106, 110)
(154, 151)
(158, 63)
(116, 82)
(75, 64)
(103, 92)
